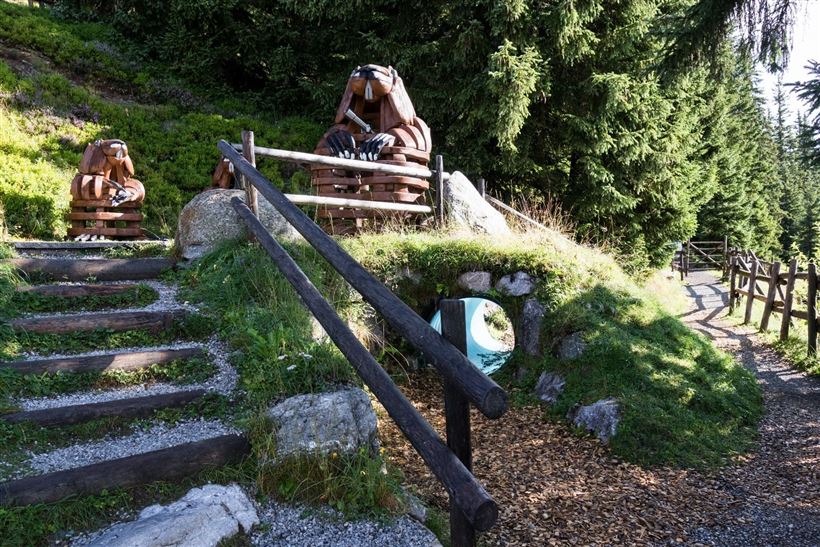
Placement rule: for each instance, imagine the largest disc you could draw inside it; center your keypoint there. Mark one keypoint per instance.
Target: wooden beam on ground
(104, 269)
(84, 245)
(504, 207)
(108, 361)
(788, 300)
(153, 321)
(167, 464)
(74, 291)
(132, 407)
(774, 278)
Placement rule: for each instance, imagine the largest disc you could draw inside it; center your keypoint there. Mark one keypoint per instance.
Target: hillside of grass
(684, 403)
(64, 84)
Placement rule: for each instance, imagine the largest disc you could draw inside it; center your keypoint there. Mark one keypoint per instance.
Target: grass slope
(683, 402)
(64, 84)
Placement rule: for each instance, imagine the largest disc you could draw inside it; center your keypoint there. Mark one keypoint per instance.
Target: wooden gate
(701, 256)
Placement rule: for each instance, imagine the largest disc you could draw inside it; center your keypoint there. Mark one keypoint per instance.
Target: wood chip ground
(555, 488)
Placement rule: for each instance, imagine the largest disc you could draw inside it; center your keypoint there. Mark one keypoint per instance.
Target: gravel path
(288, 526)
(775, 492)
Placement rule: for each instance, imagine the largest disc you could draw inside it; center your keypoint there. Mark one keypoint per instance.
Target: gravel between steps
(223, 382)
(286, 526)
(166, 301)
(155, 437)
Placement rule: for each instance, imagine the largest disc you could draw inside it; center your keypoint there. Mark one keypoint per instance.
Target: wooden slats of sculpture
(376, 96)
(104, 195)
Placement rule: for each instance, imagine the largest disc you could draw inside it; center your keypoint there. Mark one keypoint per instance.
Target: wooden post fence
(747, 272)
(457, 416)
(249, 152)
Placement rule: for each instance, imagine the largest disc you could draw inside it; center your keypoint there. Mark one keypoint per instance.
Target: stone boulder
(202, 518)
(601, 418)
(209, 219)
(532, 319)
(475, 281)
(572, 346)
(466, 208)
(340, 421)
(550, 386)
(517, 284)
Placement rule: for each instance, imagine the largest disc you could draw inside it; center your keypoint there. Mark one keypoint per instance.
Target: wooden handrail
(341, 163)
(473, 501)
(453, 365)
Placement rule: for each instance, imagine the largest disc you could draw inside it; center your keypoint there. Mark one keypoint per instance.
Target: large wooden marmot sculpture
(101, 190)
(375, 121)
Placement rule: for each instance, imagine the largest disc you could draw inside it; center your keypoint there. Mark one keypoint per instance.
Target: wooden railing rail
(473, 503)
(453, 365)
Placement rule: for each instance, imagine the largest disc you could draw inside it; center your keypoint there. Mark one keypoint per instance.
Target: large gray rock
(475, 281)
(572, 346)
(601, 417)
(466, 208)
(532, 319)
(202, 518)
(209, 219)
(340, 421)
(550, 386)
(516, 284)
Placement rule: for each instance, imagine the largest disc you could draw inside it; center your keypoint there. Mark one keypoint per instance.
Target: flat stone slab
(202, 518)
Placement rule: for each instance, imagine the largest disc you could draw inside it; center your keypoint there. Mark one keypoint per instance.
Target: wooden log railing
(748, 273)
(250, 151)
(471, 507)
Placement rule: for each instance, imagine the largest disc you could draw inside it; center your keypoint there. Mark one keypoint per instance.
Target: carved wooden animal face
(372, 82)
(377, 84)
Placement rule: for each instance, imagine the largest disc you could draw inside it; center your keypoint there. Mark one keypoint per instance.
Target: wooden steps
(153, 321)
(108, 361)
(132, 407)
(102, 269)
(75, 291)
(167, 464)
(47, 246)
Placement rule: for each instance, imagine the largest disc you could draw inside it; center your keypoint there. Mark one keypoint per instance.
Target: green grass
(30, 302)
(265, 322)
(683, 402)
(46, 119)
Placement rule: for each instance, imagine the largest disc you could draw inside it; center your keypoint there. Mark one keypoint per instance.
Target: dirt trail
(776, 489)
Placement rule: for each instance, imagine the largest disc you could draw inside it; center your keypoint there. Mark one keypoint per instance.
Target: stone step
(166, 464)
(75, 291)
(153, 321)
(134, 407)
(131, 360)
(102, 269)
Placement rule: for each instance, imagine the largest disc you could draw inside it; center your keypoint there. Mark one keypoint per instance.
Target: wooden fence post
(812, 308)
(774, 281)
(725, 256)
(481, 186)
(688, 251)
(457, 416)
(439, 181)
(788, 300)
(732, 285)
(251, 196)
(750, 298)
